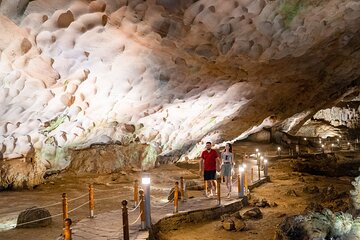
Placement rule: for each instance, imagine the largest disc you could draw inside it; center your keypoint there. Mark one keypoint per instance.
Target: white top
(226, 157)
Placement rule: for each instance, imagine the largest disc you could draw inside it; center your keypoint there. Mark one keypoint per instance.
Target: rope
(108, 190)
(161, 206)
(136, 219)
(79, 207)
(37, 220)
(132, 210)
(100, 199)
(71, 200)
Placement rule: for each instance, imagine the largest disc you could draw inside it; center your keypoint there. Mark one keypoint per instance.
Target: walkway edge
(196, 216)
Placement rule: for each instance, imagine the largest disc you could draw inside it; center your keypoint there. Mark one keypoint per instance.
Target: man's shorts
(209, 175)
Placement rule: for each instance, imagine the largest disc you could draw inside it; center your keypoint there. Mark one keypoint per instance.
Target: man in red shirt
(208, 165)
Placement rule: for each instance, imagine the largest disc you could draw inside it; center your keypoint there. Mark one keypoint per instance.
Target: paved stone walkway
(108, 226)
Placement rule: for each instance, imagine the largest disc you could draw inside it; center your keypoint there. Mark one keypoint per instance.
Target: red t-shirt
(209, 159)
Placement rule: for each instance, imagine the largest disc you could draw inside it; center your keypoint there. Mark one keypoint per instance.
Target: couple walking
(210, 163)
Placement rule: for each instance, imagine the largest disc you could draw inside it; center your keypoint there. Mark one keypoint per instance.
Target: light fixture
(145, 180)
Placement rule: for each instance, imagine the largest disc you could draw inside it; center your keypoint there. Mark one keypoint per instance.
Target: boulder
(228, 224)
(253, 213)
(32, 214)
(239, 224)
(263, 203)
(291, 228)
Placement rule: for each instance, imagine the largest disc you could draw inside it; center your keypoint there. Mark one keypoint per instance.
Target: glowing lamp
(244, 165)
(265, 161)
(241, 169)
(279, 148)
(145, 180)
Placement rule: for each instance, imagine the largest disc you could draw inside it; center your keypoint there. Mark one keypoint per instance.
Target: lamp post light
(265, 167)
(279, 151)
(145, 180)
(305, 139)
(332, 147)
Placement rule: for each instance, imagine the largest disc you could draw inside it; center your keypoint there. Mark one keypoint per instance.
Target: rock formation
(169, 74)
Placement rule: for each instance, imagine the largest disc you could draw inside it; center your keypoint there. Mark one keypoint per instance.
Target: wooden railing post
(136, 193)
(125, 220)
(67, 229)
(218, 190)
(65, 207)
(91, 200)
(176, 197)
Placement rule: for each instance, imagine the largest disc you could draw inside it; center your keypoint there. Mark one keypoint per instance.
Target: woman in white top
(227, 162)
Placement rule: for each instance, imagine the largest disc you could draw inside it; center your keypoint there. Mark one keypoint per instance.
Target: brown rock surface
(65, 19)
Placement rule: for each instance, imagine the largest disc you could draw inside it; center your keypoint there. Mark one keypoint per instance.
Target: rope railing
(136, 207)
(144, 202)
(79, 197)
(161, 206)
(78, 207)
(137, 219)
(44, 206)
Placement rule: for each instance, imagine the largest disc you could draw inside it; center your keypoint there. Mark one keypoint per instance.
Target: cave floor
(283, 180)
(113, 188)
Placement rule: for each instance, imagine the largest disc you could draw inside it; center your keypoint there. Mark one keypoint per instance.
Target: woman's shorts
(209, 175)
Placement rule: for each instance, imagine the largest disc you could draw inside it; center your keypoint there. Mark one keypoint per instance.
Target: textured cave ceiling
(169, 73)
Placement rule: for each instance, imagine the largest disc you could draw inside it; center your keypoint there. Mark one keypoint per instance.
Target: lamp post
(265, 167)
(145, 180)
(279, 151)
(246, 185)
(259, 166)
(241, 178)
(332, 147)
